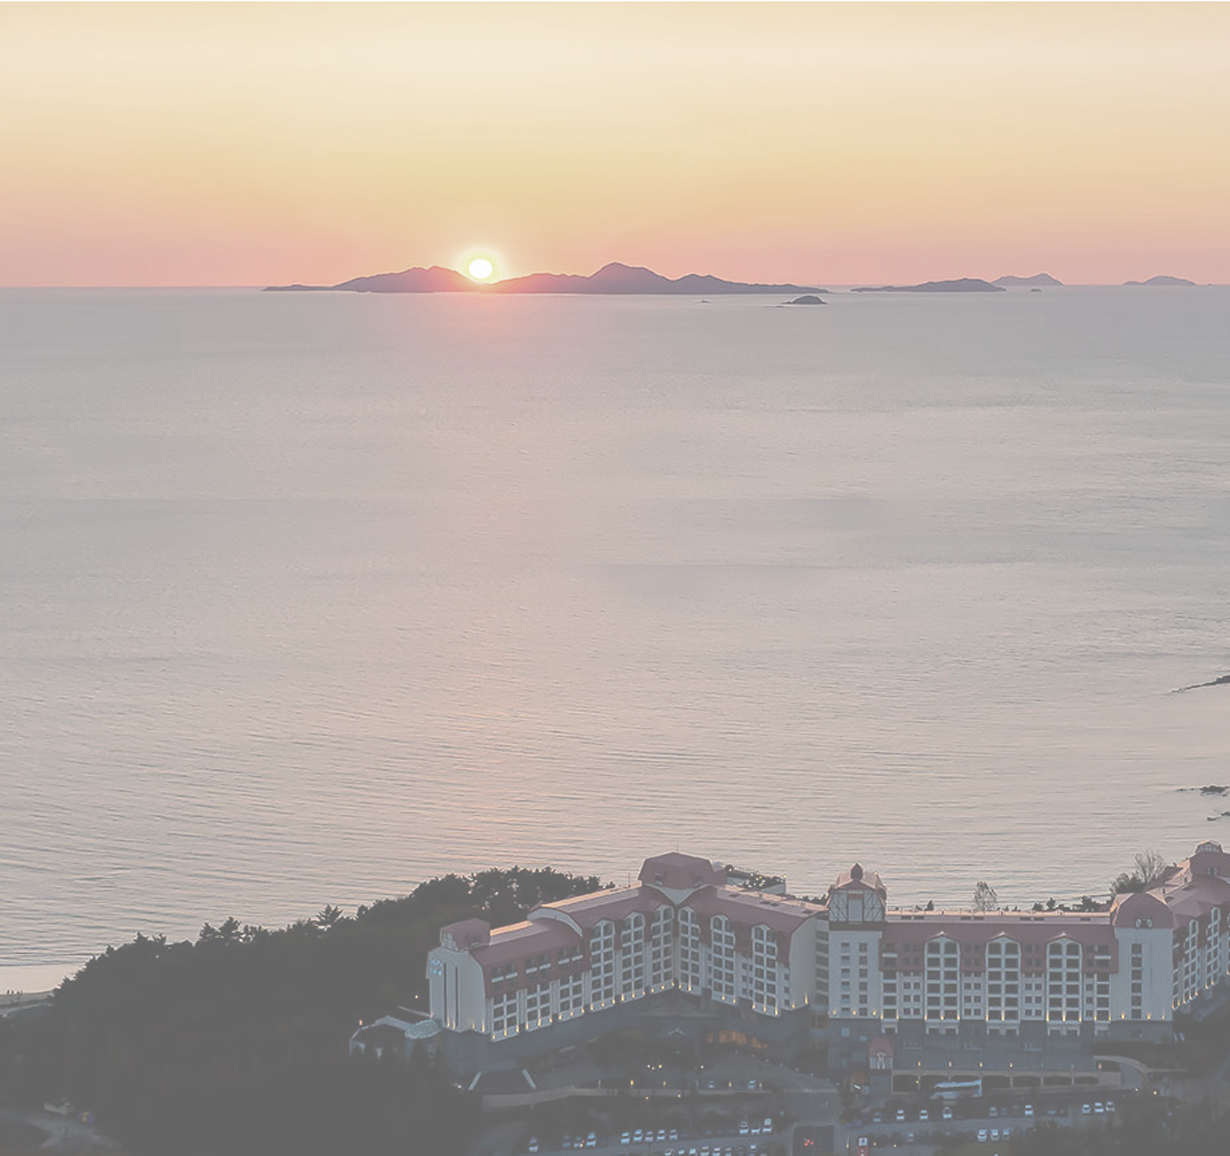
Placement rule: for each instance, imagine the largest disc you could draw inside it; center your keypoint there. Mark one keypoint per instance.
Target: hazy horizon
(724, 275)
(244, 145)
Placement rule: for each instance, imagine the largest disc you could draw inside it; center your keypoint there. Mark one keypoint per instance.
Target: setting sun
(480, 269)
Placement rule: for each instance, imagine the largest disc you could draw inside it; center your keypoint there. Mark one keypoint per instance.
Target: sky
(821, 143)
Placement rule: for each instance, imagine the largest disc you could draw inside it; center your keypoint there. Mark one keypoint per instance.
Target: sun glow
(480, 264)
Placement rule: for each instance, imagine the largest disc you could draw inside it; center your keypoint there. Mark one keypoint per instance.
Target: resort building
(694, 946)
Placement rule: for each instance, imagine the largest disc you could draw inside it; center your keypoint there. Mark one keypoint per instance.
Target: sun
(481, 264)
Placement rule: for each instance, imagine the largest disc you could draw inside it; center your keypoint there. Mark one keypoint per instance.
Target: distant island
(960, 285)
(1162, 280)
(612, 278)
(1038, 279)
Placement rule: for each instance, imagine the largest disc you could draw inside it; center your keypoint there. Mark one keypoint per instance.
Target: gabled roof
(1141, 905)
(679, 872)
(856, 877)
(969, 929)
(750, 908)
(519, 940)
(614, 903)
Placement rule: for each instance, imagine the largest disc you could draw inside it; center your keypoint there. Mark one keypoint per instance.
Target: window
(689, 949)
(722, 959)
(571, 996)
(504, 1013)
(602, 964)
(1063, 976)
(632, 957)
(764, 970)
(661, 948)
(537, 1006)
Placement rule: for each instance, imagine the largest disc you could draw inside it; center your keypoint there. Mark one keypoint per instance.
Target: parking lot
(974, 1120)
(731, 1135)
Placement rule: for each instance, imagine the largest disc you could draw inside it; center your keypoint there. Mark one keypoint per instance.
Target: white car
(982, 1135)
(532, 1146)
(1086, 1110)
(767, 1126)
(591, 1141)
(1029, 1109)
(946, 1111)
(626, 1138)
(923, 1116)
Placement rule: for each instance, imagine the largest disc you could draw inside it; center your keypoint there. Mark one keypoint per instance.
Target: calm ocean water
(306, 598)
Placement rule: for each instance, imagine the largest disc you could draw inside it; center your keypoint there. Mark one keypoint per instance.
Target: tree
(985, 898)
(329, 916)
(1150, 865)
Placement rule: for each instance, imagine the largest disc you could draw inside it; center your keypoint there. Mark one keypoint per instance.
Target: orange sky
(228, 144)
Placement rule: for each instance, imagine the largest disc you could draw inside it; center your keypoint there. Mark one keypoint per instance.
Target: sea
(308, 597)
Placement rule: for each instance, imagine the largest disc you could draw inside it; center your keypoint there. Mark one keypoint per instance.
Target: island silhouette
(1008, 281)
(958, 285)
(611, 278)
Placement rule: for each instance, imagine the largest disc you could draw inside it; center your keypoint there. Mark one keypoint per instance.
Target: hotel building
(694, 948)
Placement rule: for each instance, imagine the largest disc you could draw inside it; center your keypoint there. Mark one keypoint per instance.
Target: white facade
(682, 928)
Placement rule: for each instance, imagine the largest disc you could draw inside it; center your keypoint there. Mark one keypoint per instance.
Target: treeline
(236, 1042)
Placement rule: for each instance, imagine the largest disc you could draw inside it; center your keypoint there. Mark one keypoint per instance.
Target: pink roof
(614, 903)
(1140, 905)
(857, 877)
(519, 941)
(749, 908)
(1184, 891)
(910, 929)
(680, 872)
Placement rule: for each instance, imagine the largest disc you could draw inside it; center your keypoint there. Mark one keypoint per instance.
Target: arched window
(689, 950)
(722, 959)
(632, 957)
(602, 964)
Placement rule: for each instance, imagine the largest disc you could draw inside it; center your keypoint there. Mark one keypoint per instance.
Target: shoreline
(34, 979)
